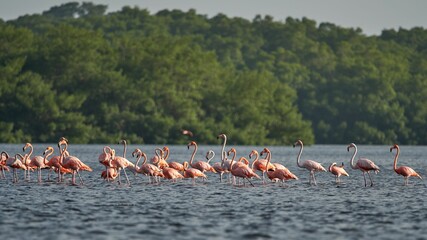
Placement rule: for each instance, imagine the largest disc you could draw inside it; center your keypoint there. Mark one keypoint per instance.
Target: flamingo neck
(352, 158)
(63, 151)
(166, 154)
(255, 160)
(47, 155)
(192, 155)
(212, 155)
(299, 156)
(232, 161)
(223, 153)
(395, 159)
(124, 148)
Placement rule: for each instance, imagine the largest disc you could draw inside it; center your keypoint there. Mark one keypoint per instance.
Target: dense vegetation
(93, 77)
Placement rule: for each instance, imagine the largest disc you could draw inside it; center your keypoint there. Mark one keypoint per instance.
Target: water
(214, 210)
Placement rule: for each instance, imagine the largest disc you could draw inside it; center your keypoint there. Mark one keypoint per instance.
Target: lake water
(215, 210)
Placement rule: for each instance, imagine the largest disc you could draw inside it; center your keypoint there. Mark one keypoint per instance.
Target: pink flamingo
(14, 163)
(120, 163)
(74, 164)
(193, 173)
(280, 173)
(3, 166)
(146, 168)
(171, 173)
(109, 174)
(405, 171)
(158, 159)
(242, 171)
(201, 165)
(187, 132)
(217, 166)
(175, 165)
(310, 165)
(38, 162)
(54, 162)
(104, 159)
(365, 165)
(337, 171)
(262, 165)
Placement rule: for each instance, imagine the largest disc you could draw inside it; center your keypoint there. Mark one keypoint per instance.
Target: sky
(372, 16)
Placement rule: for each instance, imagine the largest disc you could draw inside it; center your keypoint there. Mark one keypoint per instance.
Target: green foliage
(93, 77)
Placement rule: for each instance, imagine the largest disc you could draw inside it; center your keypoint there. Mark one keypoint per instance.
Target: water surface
(215, 210)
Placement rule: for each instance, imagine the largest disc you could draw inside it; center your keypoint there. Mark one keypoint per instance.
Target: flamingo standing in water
(241, 169)
(201, 165)
(310, 165)
(74, 164)
(109, 174)
(280, 172)
(104, 159)
(405, 171)
(217, 166)
(262, 165)
(3, 166)
(120, 163)
(38, 162)
(365, 165)
(14, 163)
(158, 159)
(175, 165)
(193, 173)
(54, 162)
(337, 171)
(146, 168)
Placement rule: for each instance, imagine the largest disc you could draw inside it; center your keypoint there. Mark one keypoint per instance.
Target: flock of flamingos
(160, 168)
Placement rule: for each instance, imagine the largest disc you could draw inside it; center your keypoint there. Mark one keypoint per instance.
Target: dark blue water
(214, 210)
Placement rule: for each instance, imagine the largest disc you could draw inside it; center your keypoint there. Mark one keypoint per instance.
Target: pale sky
(372, 16)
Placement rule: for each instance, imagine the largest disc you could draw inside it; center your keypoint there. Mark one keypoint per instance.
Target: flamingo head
(232, 150)
(330, 166)
(48, 149)
(395, 146)
(265, 150)
(136, 152)
(352, 145)
(123, 141)
(222, 135)
(192, 143)
(185, 164)
(298, 143)
(25, 147)
(254, 152)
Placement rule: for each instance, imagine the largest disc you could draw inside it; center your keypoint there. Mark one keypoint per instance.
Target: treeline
(93, 77)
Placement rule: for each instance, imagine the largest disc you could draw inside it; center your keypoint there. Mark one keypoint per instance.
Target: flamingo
(103, 159)
(158, 159)
(365, 165)
(171, 173)
(262, 165)
(201, 165)
(38, 162)
(242, 170)
(280, 172)
(175, 165)
(74, 164)
(109, 174)
(193, 173)
(337, 171)
(405, 171)
(225, 163)
(187, 132)
(146, 168)
(310, 165)
(54, 162)
(217, 166)
(3, 167)
(120, 163)
(14, 163)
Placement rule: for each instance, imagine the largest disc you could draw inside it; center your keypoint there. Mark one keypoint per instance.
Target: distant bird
(158, 159)
(337, 171)
(109, 174)
(405, 171)
(310, 165)
(365, 165)
(242, 170)
(187, 132)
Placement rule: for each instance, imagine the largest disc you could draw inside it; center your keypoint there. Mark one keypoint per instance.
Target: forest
(95, 77)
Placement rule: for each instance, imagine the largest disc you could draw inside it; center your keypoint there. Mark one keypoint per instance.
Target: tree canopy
(76, 71)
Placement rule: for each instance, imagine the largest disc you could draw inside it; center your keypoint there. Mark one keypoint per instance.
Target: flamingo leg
(372, 183)
(314, 179)
(220, 176)
(364, 177)
(81, 180)
(263, 177)
(127, 179)
(73, 179)
(39, 171)
(249, 182)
